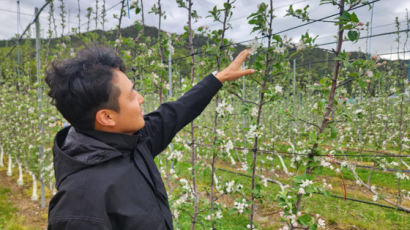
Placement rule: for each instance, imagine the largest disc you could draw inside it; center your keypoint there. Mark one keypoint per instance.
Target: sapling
(192, 14)
(345, 21)
(51, 20)
(96, 15)
(88, 15)
(262, 21)
(142, 17)
(193, 154)
(79, 17)
(122, 12)
(103, 15)
(216, 14)
(63, 13)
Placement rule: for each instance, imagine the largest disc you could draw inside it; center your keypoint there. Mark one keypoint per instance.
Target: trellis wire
(318, 45)
(270, 151)
(332, 195)
(302, 154)
(34, 21)
(286, 154)
(27, 28)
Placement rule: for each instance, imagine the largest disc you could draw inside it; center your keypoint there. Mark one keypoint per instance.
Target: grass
(8, 213)
(352, 215)
(11, 200)
(338, 213)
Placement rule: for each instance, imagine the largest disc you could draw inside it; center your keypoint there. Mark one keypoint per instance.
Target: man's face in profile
(130, 117)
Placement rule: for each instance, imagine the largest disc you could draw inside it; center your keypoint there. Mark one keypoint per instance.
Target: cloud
(176, 18)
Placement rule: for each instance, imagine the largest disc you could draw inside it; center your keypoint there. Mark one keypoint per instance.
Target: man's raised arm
(163, 124)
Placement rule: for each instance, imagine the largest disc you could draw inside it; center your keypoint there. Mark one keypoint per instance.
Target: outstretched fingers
(242, 56)
(247, 72)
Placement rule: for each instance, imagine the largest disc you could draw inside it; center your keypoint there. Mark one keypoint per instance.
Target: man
(104, 163)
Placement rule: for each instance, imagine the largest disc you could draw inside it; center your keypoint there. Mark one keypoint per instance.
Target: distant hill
(315, 61)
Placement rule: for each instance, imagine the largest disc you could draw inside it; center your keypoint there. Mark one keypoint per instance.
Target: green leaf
(304, 220)
(353, 35)
(344, 18)
(258, 65)
(333, 131)
(137, 10)
(353, 18)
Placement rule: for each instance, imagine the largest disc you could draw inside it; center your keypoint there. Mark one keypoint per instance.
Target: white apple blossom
(228, 146)
(253, 46)
(300, 46)
(359, 111)
(229, 109)
(221, 108)
(185, 184)
(306, 182)
(220, 132)
(254, 112)
(229, 186)
(240, 205)
(253, 132)
(219, 214)
(402, 176)
(369, 73)
(244, 166)
(324, 163)
(278, 89)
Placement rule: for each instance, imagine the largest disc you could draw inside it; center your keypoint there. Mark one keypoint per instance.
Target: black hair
(82, 85)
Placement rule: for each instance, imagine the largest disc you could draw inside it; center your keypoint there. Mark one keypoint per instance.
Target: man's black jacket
(110, 180)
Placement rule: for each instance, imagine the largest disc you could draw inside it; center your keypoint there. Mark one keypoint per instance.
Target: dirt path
(20, 198)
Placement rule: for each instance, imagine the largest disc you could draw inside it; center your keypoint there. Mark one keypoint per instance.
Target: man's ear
(105, 118)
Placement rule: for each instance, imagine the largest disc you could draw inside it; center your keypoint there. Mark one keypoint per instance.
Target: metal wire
(331, 195)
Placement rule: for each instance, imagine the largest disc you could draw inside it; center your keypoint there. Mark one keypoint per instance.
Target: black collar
(119, 141)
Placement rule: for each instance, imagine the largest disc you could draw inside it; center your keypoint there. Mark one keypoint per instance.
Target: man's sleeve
(77, 224)
(162, 124)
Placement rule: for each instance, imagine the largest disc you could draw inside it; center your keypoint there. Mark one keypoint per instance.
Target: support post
(294, 98)
(171, 146)
(40, 99)
(18, 40)
(408, 72)
(244, 117)
(371, 33)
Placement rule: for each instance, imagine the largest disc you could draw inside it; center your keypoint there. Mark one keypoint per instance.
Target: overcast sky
(385, 12)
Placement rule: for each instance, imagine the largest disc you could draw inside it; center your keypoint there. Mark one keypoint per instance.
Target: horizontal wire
(332, 195)
(27, 28)
(323, 44)
(324, 18)
(34, 20)
(264, 36)
(370, 36)
(317, 155)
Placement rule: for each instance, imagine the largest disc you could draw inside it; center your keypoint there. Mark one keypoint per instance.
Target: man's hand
(234, 70)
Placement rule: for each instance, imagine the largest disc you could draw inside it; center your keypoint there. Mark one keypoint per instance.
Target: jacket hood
(74, 151)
